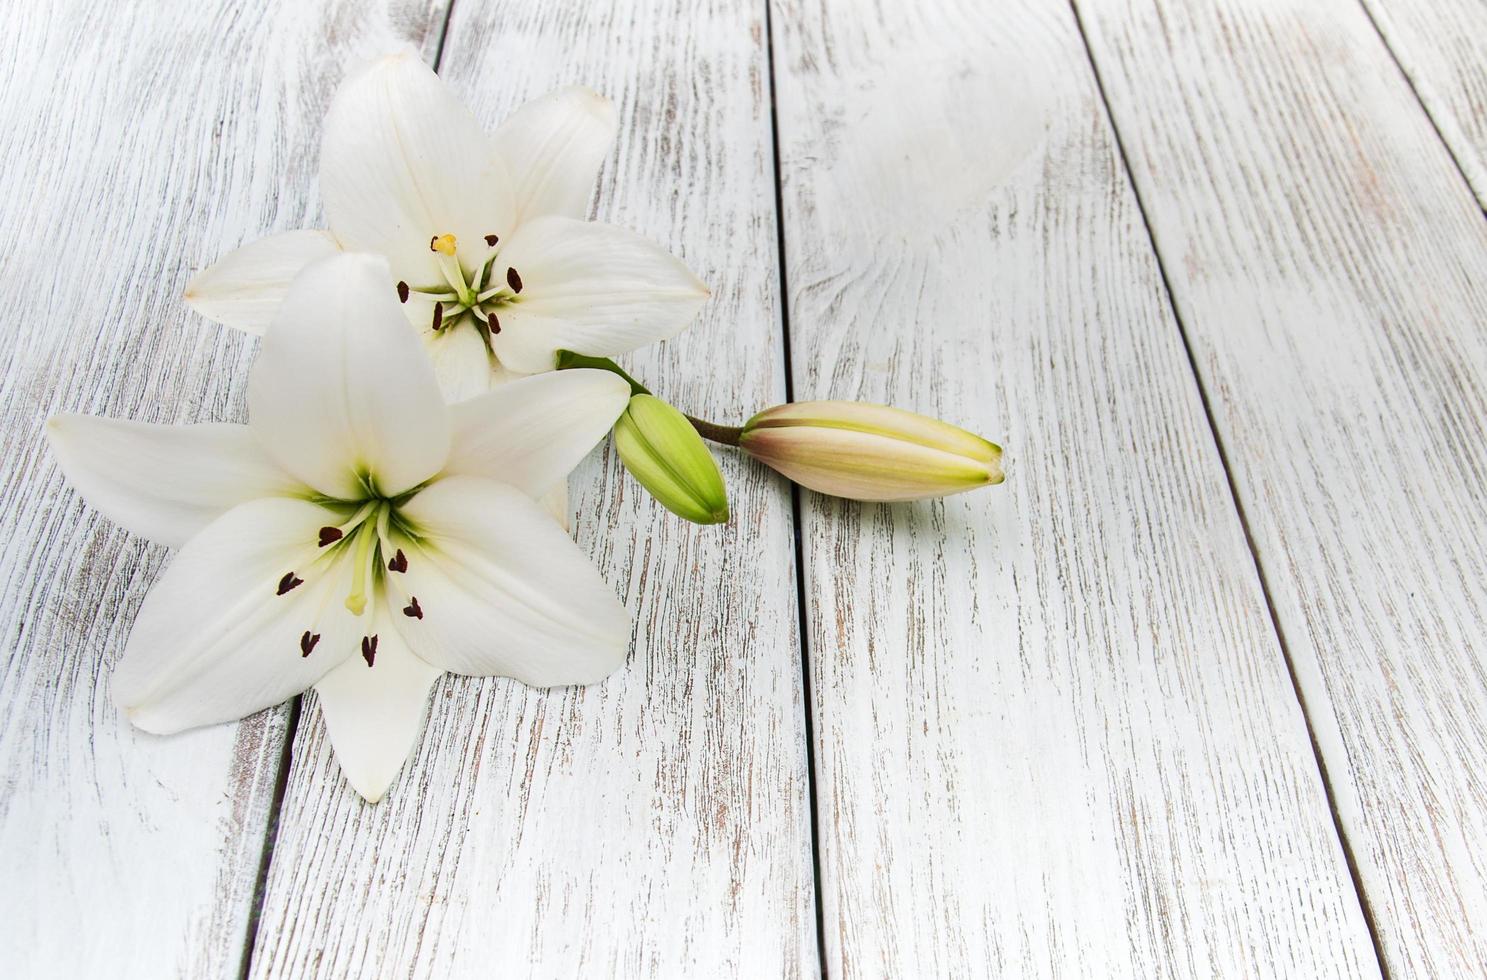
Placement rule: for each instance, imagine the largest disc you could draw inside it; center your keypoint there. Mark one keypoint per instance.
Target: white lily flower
(358, 535)
(483, 234)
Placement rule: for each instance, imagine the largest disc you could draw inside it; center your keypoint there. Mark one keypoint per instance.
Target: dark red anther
(513, 280)
(413, 610)
(369, 649)
(329, 535)
(495, 325)
(438, 316)
(431, 243)
(289, 581)
(402, 292)
(491, 240)
(399, 562)
(307, 643)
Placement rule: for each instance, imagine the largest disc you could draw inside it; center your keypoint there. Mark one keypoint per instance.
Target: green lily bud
(870, 452)
(661, 449)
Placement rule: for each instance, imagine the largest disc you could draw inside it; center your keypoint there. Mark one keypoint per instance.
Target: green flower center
(474, 293)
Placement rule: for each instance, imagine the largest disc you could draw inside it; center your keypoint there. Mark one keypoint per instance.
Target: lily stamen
(361, 571)
(437, 293)
(494, 291)
(357, 518)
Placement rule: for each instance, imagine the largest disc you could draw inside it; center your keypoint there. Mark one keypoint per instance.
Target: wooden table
(1201, 691)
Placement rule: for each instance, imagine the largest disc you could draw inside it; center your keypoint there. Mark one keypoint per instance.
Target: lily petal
(590, 288)
(342, 389)
(531, 433)
(220, 636)
(503, 591)
(403, 161)
(164, 482)
(554, 147)
(374, 712)
(243, 289)
(461, 362)
(555, 502)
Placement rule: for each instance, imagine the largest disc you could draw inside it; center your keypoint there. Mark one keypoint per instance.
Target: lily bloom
(481, 233)
(358, 535)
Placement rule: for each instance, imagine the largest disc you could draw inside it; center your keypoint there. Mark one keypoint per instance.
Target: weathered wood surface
(1440, 45)
(1330, 267)
(656, 825)
(133, 146)
(1056, 736)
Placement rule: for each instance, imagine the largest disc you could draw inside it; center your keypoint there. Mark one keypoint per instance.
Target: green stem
(568, 360)
(728, 435)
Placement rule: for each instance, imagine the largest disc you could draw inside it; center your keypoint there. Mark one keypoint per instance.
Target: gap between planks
(1414, 88)
(808, 702)
(291, 727)
(1234, 498)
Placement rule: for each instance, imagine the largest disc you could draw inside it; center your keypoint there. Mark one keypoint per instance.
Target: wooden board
(1330, 268)
(133, 148)
(1440, 45)
(656, 825)
(1056, 736)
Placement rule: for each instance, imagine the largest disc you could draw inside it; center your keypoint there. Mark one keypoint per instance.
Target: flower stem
(727, 435)
(568, 360)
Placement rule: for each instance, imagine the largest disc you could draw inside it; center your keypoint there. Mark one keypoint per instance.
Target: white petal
(531, 433)
(591, 288)
(342, 387)
(461, 361)
(553, 148)
(375, 712)
(215, 640)
(503, 590)
(402, 161)
(244, 287)
(555, 502)
(164, 482)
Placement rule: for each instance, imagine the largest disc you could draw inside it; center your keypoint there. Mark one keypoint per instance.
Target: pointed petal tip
(600, 105)
(372, 792)
(389, 60)
(141, 717)
(616, 656)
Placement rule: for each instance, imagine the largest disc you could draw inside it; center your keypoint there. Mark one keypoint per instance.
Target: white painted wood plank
(1442, 47)
(657, 825)
(1330, 266)
(134, 142)
(1056, 736)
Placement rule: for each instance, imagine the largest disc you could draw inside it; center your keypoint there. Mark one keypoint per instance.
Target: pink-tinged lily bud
(870, 452)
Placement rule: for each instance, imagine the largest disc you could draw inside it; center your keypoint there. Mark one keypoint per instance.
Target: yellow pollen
(443, 244)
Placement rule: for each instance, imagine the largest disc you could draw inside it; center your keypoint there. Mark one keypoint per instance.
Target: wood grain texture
(1442, 47)
(655, 825)
(1330, 267)
(1056, 736)
(136, 140)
